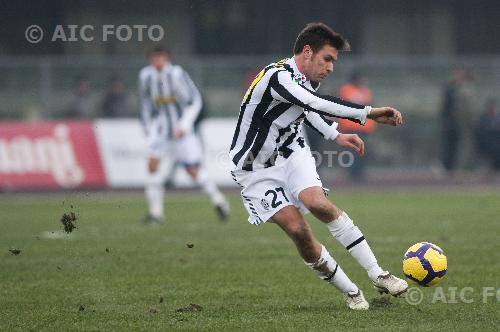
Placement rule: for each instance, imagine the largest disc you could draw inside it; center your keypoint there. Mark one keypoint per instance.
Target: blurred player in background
(170, 104)
(457, 122)
(356, 91)
(277, 172)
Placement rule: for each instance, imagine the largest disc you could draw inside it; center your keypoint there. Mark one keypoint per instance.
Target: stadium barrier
(96, 154)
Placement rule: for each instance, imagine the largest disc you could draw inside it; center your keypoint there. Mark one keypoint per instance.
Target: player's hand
(386, 115)
(179, 133)
(351, 141)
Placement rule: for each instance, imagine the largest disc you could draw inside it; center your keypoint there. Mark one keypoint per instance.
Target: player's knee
(324, 210)
(320, 207)
(153, 164)
(313, 197)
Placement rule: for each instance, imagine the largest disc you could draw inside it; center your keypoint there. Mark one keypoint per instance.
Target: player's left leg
(211, 189)
(350, 236)
(189, 152)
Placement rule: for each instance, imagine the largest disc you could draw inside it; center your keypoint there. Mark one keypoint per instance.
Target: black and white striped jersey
(169, 93)
(277, 103)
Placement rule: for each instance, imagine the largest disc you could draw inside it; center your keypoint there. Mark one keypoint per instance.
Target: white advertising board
(122, 145)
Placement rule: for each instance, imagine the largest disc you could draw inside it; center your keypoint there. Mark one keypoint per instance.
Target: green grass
(244, 277)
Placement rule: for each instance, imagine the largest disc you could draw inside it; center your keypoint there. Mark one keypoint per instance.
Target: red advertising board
(55, 154)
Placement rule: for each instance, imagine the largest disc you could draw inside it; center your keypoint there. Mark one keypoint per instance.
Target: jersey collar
(298, 77)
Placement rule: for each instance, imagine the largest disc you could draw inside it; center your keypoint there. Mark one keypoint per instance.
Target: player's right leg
(350, 236)
(154, 188)
(305, 186)
(266, 197)
(154, 192)
(317, 257)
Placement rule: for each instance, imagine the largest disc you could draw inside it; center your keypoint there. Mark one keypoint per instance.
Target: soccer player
(276, 170)
(170, 104)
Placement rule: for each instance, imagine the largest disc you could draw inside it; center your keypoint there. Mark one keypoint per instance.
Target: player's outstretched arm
(283, 88)
(351, 141)
(386, 115)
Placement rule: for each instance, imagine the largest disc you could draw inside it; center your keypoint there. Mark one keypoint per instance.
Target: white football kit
(273, 165)
(169, 99)
(268, 190)
(272, 162)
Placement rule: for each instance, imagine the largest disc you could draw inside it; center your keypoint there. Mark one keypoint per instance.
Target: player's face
(158, 60)
(321, 63)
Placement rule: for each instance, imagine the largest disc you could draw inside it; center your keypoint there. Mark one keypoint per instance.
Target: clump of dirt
(190, 308)
(68, 220)
(15, 251)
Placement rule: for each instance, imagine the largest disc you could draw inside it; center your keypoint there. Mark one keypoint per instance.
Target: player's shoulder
(146, 71)
(177, 70)
(278, 68)
(281, 65)
(280, 71)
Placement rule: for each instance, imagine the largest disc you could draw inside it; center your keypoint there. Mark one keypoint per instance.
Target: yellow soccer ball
(425, 263)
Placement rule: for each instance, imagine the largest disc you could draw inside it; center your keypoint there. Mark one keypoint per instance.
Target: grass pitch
(194, 273)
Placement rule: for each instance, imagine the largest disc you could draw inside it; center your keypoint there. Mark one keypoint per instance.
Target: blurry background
(437, 61)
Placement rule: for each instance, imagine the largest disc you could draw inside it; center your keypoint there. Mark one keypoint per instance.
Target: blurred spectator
(488, 134)
(79, 106)
(457, 118)
(115, 102)
(356, 91)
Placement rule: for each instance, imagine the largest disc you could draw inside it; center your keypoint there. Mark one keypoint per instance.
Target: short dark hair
(318, 35)
(159, 50)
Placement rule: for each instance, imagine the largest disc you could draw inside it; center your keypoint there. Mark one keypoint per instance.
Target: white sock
(210, 188)
(154, 194)
(349, 235)
(330, 271)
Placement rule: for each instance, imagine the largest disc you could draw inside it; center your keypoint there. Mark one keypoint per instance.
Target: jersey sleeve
(323, 126)
(189, 99)
(146, 106)
(284, 89)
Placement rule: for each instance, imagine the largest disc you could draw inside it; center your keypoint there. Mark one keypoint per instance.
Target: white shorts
(266, 191)
(186, 150)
